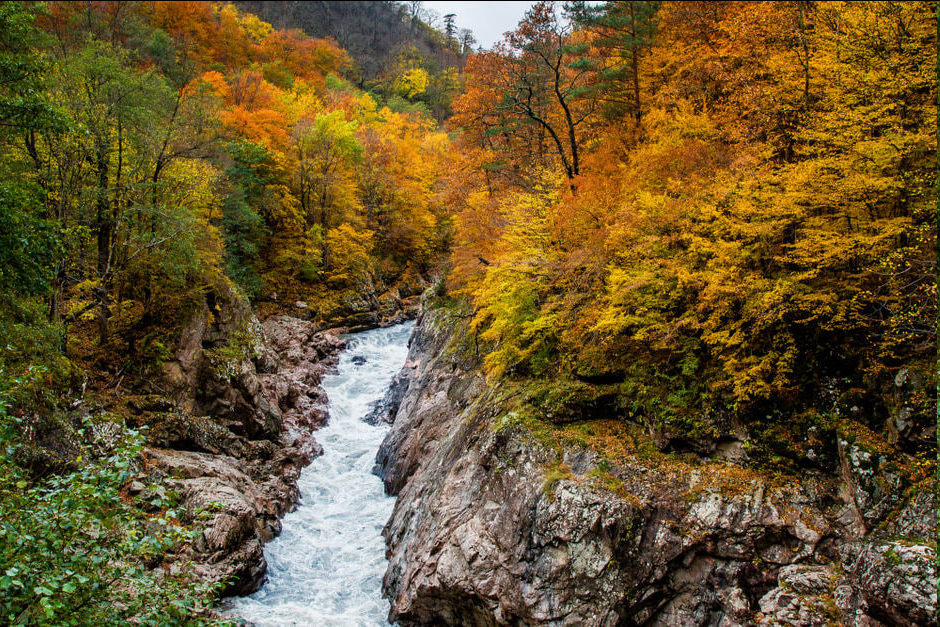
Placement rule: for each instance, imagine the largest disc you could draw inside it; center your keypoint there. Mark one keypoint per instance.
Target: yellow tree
(327, 150)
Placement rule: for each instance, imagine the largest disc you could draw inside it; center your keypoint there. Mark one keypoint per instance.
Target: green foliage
(74, 551)
(28, 244)
(243, 228)
(623, 33)
(560, 401)
(398, 104)
(28, 340)
(276, 74)
(337, 83)
(252, 168)
(244, 232)
(23, 105)
(332, 135)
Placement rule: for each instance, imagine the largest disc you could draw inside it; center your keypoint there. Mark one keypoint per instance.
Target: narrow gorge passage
(326, 567)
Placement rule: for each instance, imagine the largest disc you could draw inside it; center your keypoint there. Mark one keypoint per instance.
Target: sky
(487, 20)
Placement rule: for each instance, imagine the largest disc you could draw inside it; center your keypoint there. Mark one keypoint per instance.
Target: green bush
(75, 551)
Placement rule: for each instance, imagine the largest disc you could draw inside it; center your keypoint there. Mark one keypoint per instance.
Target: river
(326, 567)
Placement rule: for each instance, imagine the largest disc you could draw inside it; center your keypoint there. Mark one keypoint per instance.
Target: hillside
(384, 39)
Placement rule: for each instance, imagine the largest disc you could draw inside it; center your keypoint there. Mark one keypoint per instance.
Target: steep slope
(372, 32)
(504, 519)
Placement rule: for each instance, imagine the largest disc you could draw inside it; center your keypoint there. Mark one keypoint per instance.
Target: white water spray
(326, 567)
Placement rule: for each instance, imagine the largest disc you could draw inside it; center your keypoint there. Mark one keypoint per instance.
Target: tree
(115, 104)
(327, 148)
(450, 29)
(623, 33)
(467, 40)
(527, 91)
(251, 173)
(27, 241)
(412, 83)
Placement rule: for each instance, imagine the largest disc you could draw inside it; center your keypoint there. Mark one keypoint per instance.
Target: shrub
(75, 551)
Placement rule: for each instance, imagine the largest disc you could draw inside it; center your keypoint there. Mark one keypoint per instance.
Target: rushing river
(326, 567)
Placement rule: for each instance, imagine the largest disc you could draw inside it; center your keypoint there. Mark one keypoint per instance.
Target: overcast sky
(487, 20)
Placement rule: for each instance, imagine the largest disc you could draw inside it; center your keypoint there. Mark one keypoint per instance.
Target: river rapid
(326, 567)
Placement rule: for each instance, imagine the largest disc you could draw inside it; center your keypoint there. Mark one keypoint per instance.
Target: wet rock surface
(247, 399)
(494, 527)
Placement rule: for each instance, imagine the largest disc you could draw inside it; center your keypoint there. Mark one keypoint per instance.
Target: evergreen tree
(623, 32)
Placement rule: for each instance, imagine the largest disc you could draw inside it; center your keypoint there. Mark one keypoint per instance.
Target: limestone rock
(876, 488)
(898, 579)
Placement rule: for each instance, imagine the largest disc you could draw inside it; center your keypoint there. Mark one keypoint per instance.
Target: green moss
(506, 421)
(555, 473)
(242, 344)
(892, 556)
(606, 480)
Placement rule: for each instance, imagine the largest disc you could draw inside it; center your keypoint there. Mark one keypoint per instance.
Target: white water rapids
(326, 567)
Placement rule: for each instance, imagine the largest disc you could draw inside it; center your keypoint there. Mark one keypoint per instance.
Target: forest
(713, 220)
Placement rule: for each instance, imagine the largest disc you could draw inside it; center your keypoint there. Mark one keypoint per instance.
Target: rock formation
(497, 525)
(246, 397)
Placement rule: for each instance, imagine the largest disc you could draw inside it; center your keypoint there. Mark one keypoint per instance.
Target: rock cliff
(231, 429)
(499, 522)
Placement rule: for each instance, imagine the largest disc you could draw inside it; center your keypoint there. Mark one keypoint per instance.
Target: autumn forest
(716, 221)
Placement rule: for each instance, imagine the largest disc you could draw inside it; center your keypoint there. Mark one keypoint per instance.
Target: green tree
(113, 109)
(251, 172)
(622, 34)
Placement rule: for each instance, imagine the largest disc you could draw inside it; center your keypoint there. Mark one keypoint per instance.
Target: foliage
(28, 243)
(22, 103)
(622, 33)
(708, 218)
(412, 82)
(750, 228)
(75, 551)
(526, 100)
(205, 143)
(153, 154)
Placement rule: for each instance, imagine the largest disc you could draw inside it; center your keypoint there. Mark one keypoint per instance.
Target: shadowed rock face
(484, 534)
(248, 397)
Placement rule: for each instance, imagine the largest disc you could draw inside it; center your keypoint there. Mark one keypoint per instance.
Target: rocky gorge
(505, 518)
(502, 519)
(230, 431)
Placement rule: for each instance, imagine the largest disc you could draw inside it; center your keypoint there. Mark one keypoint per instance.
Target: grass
(553, 474)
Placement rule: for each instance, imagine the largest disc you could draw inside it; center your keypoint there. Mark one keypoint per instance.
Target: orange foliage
(303, 56)
(728, 248)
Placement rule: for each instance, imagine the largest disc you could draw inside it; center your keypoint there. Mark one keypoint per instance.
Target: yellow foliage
(350, 256)
(412, 82)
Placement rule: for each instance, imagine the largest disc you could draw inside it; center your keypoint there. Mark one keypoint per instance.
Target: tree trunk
(104, 227)
(635, 55)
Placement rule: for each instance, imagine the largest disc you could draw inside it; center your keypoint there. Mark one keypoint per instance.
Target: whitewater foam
(326, 567)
